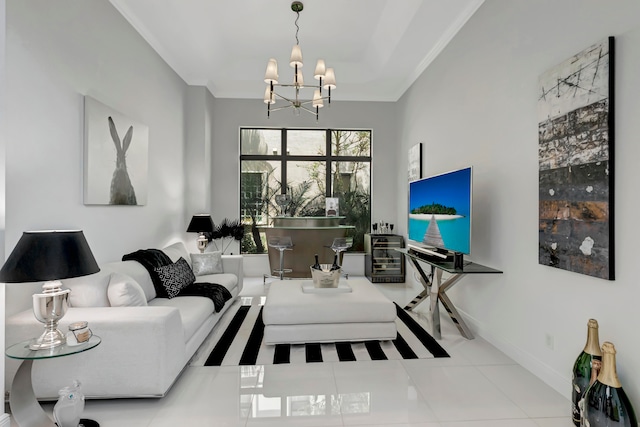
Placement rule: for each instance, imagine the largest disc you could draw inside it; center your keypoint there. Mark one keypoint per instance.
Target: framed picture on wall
(332, 206)
(415, 162)
(115, 156)
(575, 159)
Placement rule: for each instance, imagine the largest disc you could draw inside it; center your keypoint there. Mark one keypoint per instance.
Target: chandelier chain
(297, 27)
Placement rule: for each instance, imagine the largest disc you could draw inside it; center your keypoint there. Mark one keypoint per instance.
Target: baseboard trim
(551, 377)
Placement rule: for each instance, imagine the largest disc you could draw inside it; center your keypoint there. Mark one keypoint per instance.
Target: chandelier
(325, 76)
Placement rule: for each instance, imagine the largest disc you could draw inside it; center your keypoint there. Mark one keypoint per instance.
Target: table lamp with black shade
(49, 256)
(201, 223)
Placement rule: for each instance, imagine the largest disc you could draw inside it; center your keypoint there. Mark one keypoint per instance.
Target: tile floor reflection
(478, 386)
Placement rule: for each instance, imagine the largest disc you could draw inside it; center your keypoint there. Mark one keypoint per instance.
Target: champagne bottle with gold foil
(587, 361)
(605, 403)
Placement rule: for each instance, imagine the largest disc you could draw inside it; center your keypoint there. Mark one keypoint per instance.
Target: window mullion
(283, 163)
(328, 186)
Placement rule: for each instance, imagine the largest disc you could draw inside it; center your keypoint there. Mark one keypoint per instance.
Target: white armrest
(234, 264)
(142, 347)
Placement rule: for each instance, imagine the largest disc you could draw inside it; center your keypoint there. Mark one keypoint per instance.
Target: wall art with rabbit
(115, 156)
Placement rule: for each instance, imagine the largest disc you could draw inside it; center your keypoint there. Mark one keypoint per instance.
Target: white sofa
(144, 347)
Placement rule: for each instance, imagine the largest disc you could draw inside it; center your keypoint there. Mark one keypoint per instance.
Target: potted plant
(225, 233)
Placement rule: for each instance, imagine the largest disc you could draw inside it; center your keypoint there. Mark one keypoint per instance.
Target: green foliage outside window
(262, 170)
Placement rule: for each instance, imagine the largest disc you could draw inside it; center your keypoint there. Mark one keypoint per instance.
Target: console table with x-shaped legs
(436, 290)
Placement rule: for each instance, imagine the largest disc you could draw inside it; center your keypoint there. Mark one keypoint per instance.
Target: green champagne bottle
(605, 403)
(588, 360)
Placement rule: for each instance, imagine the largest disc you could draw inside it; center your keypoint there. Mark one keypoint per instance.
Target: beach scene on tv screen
(440, 211)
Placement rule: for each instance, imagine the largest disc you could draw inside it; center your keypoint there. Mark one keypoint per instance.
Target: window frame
(328, 158)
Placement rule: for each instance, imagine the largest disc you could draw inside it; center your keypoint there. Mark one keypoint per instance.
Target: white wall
(198, 153)
(476, 105)
(230, 114)
(57, 52)
(3, 417)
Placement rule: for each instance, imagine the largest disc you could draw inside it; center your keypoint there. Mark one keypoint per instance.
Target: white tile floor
(477, 387)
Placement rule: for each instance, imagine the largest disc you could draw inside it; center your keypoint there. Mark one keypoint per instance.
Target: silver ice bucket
(325, 278)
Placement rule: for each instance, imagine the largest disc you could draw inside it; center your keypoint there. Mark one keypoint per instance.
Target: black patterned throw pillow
(175, 277)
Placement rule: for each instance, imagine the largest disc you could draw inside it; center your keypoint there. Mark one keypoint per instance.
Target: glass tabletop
(468, 267)
(22, 351)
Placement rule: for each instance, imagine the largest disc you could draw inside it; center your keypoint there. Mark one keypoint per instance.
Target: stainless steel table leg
(455, 316)
(435, 308)
(451, 309)
(417, 300)
(426, 283)
(436, 290)
(25, 408)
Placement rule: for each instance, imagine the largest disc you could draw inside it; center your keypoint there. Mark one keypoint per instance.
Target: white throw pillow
(207, 263)
(123, 291)
(135, 271)
(176, 251)
(88, 291)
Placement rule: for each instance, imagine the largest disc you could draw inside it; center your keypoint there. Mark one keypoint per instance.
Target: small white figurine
(69, 407)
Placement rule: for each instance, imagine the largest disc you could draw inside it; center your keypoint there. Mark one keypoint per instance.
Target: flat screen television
(440, 212)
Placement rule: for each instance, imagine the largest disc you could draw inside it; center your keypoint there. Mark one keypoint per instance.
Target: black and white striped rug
(241, 344)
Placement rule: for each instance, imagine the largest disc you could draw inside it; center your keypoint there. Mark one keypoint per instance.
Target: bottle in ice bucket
(316, 266)
(335, 265)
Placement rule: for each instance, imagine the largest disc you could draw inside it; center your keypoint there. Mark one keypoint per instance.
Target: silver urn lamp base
(49, 307)
(202, 242)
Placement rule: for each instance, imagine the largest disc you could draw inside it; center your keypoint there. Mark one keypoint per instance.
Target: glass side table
(25, 408)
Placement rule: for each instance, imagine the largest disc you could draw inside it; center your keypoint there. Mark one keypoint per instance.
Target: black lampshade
(49, 255)
(200, 224)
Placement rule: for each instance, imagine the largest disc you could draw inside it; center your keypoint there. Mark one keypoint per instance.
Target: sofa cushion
(137, 272)
(175, 277)
(88, 291)
(123, 291)
(193, 311)
(207, 263)
(228, 280)
(177, 251)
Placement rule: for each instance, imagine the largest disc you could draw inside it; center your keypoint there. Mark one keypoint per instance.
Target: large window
(309, 166)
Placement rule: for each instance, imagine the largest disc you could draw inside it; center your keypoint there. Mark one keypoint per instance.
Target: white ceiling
(377, 47)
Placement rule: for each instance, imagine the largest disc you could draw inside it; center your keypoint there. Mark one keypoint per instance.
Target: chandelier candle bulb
(320, 70)
(330, 79)
(271, 75)
(317, 99)
(296, 57)
(299, 81)
(268, 96)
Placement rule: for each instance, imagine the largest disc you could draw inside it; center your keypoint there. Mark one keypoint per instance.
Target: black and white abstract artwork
(115, 157)
(575, 157)
(414, 168)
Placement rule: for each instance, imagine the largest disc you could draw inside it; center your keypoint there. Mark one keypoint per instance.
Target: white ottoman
(294, 317)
